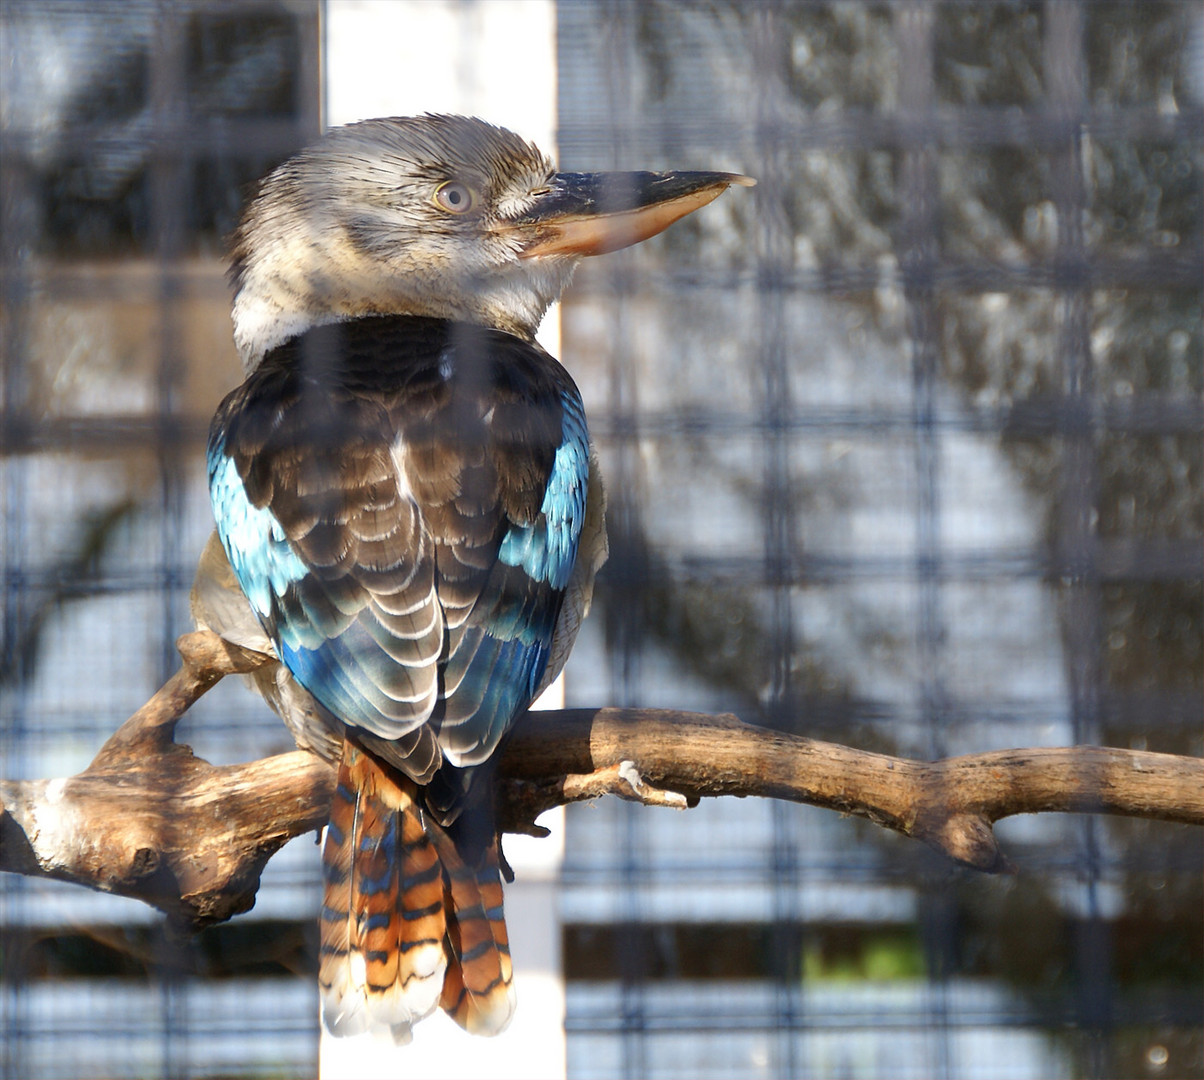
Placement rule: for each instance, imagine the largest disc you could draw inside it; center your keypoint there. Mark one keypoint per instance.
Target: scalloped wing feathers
(401, 500)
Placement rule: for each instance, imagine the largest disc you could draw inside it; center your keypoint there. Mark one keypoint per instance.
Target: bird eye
(455, 197)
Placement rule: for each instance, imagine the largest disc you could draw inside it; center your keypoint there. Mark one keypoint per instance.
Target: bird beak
(593, 213)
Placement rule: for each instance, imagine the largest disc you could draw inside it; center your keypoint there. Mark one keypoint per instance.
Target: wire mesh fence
(902, 447)
(883, 469)
(129, 131)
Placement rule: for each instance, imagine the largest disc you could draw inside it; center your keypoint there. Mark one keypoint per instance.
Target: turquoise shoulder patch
(547, 549)
(259, 553)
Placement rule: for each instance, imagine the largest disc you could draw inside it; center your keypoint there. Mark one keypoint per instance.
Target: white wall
(495, 59)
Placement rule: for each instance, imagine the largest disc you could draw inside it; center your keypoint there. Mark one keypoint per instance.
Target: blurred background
(903, 450)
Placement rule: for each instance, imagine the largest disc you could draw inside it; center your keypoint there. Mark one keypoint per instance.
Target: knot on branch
(965, 837)
(624, 780)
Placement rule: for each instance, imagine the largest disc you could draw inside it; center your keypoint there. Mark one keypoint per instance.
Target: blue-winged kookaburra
(410, 515)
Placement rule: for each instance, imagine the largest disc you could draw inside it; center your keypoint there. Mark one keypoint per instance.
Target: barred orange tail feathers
(407, 923)
(478, 989)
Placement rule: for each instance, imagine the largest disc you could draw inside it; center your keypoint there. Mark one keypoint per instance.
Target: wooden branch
(149, 819)
(950, 804)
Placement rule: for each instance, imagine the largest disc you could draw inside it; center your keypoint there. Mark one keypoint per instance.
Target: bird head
(440, 216)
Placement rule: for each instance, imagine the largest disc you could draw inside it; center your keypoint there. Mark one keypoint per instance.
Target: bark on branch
(149, 819)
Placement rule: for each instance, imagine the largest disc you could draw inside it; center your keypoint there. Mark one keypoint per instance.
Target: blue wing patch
(260, 555)
(547, 549)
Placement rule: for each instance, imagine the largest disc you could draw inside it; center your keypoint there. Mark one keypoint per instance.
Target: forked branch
(151, 820)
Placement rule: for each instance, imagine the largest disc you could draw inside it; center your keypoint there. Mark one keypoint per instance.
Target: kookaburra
(410, 516)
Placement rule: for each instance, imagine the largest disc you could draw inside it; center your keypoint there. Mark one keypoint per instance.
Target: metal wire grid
(119, 148)
(796, 863)
(622, 106)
